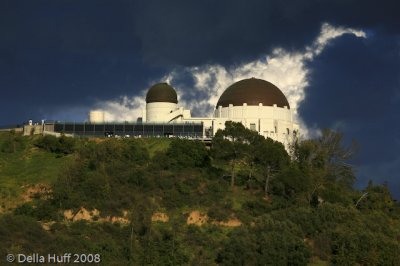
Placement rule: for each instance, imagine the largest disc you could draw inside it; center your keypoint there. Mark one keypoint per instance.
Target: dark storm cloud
(193, 33)
(355, 87)
(60, 54)
(55, 54)
(226, 32)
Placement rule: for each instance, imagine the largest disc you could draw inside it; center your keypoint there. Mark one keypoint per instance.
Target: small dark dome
(253, 92)
(161, 92)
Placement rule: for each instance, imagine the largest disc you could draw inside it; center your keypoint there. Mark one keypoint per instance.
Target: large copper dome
(253, 92)
(161, 92)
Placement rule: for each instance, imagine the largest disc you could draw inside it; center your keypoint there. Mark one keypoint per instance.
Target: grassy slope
(32, 166)
(155, 145)
(25, 168)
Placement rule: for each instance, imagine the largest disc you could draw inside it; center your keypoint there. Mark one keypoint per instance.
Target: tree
(188, 153)
(231, 144)
(271, 157)
(254, 139)
(325, 160)
(375, 197)
(290, 182)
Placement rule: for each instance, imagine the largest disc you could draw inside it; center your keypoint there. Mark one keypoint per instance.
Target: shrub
(62, 145)
(188, 154)
(267, 242)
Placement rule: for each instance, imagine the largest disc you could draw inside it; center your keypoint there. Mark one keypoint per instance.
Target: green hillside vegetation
(23, 164)
(244, 201)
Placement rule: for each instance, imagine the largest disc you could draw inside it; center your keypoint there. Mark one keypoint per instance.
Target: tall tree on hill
(271, 157)
(325, 159)
(255, 140)
(231, 144)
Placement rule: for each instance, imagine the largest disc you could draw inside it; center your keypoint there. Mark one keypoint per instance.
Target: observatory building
(258, 104)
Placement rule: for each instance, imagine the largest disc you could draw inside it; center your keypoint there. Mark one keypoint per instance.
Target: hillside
(245, 201)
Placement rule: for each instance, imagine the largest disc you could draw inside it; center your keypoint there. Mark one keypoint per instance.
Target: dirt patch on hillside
(159, 217)
(11, 198)
(229, 223)
(94, 216)
(35, 191)
(115, 219)
(82, 214)
(47, 226)
(194, 218)
(197, 218)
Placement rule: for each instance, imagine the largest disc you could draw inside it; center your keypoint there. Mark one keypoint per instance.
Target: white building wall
(159, 111)
(269, 121)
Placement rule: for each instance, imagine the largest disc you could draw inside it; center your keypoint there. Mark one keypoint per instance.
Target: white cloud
(328, 33)
(123, 109)
(285, 69)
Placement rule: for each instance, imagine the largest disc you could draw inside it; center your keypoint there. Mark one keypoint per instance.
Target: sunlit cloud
(286, 69)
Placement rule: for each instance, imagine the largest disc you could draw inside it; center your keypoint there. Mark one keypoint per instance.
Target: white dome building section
(260, 106)
(96, 117)
(162, 105)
